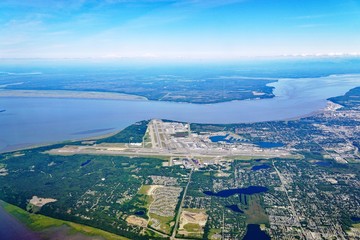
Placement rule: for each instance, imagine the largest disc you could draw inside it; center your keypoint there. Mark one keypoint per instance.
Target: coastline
(70, 94)
(98, 95)
(12, 228)
(277, 91)
(90, 138)
(36, 227)
(285, 94)
(60, 142)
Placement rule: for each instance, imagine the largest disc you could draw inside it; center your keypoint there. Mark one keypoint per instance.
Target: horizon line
(301, 56)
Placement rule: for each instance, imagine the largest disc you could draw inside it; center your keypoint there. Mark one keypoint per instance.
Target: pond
(259, 167)
(269, 144)
(323, 164)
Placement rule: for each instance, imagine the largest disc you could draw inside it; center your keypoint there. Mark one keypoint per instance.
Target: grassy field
(39, 223)
(144, 189)
(214, 234)
(144, 201)
(192, 227)
(165, 225)
(357, 225)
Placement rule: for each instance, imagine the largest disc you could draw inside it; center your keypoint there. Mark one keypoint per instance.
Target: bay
(32, 121)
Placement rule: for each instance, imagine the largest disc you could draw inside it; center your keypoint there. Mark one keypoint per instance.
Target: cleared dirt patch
(152, 188)
(39, 202)
(137, 221)
(192, 222)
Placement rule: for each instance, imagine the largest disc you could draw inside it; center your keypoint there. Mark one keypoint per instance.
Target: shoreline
(35, 229)
(18, 229)
(90, 138)
(70, 94)
(103, 95)
(94, 95)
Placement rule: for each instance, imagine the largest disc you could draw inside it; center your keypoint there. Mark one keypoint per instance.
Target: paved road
(282, 180)
(179, 211)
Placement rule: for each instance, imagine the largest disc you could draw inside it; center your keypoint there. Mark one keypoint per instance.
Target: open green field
(165, 223)
(144, 189)
(214, 234)
(357, 225)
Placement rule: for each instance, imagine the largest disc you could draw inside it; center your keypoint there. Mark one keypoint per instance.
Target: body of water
(32, 121)
(253, 232)
(11, 228)
(85, 163)
(323, 164)
(227, 139)
(140, 213)
(230, 192)
(269, 144)
(221, 139)
(259, 167)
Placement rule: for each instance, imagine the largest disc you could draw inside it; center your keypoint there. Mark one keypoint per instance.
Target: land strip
(70, 94)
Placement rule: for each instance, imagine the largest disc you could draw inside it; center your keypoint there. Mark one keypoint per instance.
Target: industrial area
(176, 141)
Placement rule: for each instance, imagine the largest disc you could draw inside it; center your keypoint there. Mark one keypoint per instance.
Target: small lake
(259, 167)
(85, 163)
(230, 192)
(253, 232)
(31, 121)
(220, 139)
(269, 144)
(227, 139)
(323, 164)
(140, 213)
(224, 138)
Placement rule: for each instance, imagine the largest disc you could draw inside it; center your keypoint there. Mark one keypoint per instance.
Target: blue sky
(177, 29)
